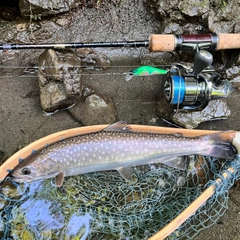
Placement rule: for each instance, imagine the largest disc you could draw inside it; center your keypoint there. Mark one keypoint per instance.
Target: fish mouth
(19, 179)
(29, 179)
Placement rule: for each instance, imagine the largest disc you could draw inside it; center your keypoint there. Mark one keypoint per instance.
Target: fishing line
(78, 75)
(79, 66)
(91, 71)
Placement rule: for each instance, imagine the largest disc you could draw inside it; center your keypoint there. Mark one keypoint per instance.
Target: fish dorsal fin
(121, 126)
(59, 179)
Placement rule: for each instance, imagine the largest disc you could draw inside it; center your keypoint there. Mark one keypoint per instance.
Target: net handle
(197, 203)
(189, 211)
(13, 161)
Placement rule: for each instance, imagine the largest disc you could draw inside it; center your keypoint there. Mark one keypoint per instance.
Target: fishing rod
(186, 88)
(155, 43)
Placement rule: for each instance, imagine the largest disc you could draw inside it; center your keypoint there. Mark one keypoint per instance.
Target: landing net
(103, 205)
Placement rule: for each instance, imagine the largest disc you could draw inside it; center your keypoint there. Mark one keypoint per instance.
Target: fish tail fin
(222, 144)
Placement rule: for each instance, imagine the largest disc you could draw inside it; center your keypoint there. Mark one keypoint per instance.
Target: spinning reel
(192, 89)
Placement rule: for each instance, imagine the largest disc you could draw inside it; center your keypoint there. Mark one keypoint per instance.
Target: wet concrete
(22, 119)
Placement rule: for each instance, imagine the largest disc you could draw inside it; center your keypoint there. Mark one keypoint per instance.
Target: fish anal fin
(120, 126)
(126, 172)
(59, 179)
(176, 162)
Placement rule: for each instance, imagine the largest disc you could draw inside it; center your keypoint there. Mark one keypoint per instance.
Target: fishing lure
(145, 71)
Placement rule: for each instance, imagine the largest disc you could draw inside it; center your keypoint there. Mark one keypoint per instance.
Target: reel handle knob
(202, 60)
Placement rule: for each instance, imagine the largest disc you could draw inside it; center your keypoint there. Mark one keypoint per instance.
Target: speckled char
(115, 148)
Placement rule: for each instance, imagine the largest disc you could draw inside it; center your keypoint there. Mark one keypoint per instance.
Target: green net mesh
(103, 205)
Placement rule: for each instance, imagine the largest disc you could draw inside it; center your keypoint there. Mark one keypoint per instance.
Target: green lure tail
(145, 71)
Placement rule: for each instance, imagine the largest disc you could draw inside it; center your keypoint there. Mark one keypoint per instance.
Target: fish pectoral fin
(176, 162)
(126, 173)
(59, 179)
(121, 126)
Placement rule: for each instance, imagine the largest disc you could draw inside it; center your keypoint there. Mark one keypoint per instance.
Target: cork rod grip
(161, 43)
(228, 41)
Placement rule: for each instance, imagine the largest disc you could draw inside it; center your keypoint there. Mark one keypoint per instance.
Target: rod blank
(75, 45)
(156, 43)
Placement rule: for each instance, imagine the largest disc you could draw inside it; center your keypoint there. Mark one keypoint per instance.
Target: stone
(173, 28)
(94, 109)
(194, 8)
(93, 59)
(53, 97)
(59, 79)
(177, 16)
(37, 9)
(218, 26)
(225, 17)
(216, 109)
(233, 74)
(168, 5)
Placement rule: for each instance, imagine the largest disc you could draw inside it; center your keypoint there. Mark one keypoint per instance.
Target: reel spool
(192, 89)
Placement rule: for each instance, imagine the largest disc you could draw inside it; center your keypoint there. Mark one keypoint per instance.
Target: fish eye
(26, 171)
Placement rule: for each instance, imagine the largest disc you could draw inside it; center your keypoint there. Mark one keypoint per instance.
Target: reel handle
(202, 60)
(170, 42)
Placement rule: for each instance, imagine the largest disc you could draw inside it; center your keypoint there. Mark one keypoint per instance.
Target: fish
(117, 147)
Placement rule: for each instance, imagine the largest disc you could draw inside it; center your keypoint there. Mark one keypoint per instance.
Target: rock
(236, 28)
(97, 110)
(177, 16)
(94, 109)
(53, 97)
(168, 5)
(216, 109)
(193, 28)
(194, 8)
(173, 28)
(218, 26)
(59, 79)
(225, 17)
(162, 8)
(233, 74)
(92, 59)
(37, 9)
(189, 28)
